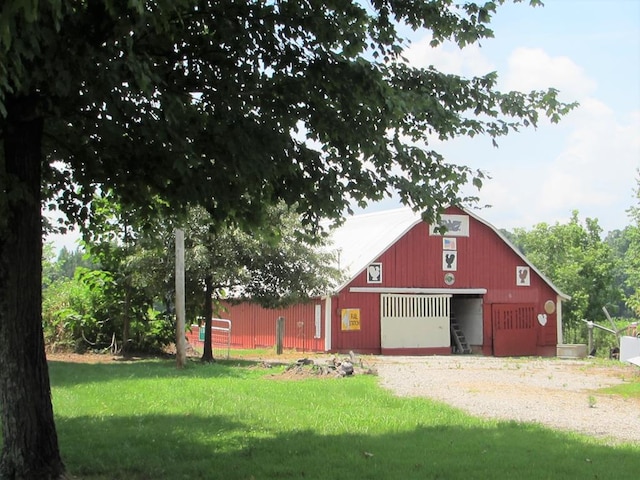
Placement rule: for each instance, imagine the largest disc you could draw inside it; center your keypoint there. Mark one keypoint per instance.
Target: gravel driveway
(558, 393)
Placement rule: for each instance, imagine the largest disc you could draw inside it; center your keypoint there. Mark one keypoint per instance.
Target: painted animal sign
(454, 225)
(374, 273)
(523, 276)
(449, 261)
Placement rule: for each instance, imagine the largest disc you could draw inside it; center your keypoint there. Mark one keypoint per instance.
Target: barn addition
(411, 289)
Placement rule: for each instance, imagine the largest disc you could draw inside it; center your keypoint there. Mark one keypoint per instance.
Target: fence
(220, 337)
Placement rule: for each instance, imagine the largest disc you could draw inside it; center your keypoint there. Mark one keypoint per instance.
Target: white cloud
(602, 151)
(534, 69)
(448, 58)
(593, 171)
(588, 162)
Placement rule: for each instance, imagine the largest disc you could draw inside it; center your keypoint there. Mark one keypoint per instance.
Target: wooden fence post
(181, 348)
(279, 335)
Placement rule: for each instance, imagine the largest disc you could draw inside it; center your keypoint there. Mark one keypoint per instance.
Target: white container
(571, 350)
(629, 348)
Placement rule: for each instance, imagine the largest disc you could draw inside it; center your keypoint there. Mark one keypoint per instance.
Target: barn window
(318, 322)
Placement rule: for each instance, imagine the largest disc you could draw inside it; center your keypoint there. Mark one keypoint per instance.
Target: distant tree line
(596, 271)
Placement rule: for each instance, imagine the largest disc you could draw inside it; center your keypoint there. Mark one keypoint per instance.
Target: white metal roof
(363, 238)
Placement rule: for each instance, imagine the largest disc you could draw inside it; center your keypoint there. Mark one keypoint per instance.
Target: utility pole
(181, 354)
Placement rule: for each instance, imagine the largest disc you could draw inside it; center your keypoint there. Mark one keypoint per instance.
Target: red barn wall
(484, 261)
(255, 327)
(365, 340)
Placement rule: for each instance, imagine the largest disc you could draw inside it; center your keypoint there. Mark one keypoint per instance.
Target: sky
(590, 51)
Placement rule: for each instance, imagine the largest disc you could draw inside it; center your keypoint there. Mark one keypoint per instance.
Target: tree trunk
(126, 320)
(126, 314)
(207, 354)
(30, 443)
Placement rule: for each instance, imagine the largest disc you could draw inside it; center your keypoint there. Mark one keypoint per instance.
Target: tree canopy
(308, 102)
(580, 264)
(233, 105)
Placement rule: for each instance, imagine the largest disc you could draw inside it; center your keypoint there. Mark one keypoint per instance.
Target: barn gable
(363, 239)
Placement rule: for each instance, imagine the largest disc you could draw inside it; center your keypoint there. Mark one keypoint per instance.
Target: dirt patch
(562, 394)
(83, 357)
(332, 367)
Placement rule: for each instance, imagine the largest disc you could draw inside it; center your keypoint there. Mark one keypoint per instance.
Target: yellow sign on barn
(350, 319)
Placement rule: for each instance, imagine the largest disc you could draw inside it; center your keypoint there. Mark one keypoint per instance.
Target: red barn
(415, 291)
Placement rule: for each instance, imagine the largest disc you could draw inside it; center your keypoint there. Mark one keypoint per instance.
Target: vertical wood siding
(254, 327)
(365, 340)
(484, 260)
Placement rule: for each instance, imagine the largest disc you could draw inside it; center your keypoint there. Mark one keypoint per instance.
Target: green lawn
(234, 420)
(626, 390)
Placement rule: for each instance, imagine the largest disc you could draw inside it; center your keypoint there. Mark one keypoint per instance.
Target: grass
(630, 388)
(626, 390)
(234, 420)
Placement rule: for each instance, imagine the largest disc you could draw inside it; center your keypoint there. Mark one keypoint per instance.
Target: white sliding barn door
(414, 321)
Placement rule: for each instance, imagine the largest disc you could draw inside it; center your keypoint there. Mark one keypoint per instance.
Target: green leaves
(631, 260)
(237, 105)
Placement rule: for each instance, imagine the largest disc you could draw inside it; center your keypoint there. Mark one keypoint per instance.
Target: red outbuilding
(412, 290)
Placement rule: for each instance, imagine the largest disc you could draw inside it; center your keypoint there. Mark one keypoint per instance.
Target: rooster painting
(374, 273)
(449, 261)
(522, 274)
(449, 258)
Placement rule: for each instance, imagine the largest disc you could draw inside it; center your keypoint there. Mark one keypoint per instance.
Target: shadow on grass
(196, 447)
(65, 374)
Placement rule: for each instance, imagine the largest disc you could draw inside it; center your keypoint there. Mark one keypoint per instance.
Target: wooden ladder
(461, 345)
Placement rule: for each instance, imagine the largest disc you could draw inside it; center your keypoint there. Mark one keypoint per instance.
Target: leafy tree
(131, 296)
(70, 260)
(64, 266)
(579, 262)
(69, 303)
(619, 241)
(83, 302)
(50, 268)
(275, 266)
(233, 105)
(278, 264)
(74, 310)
